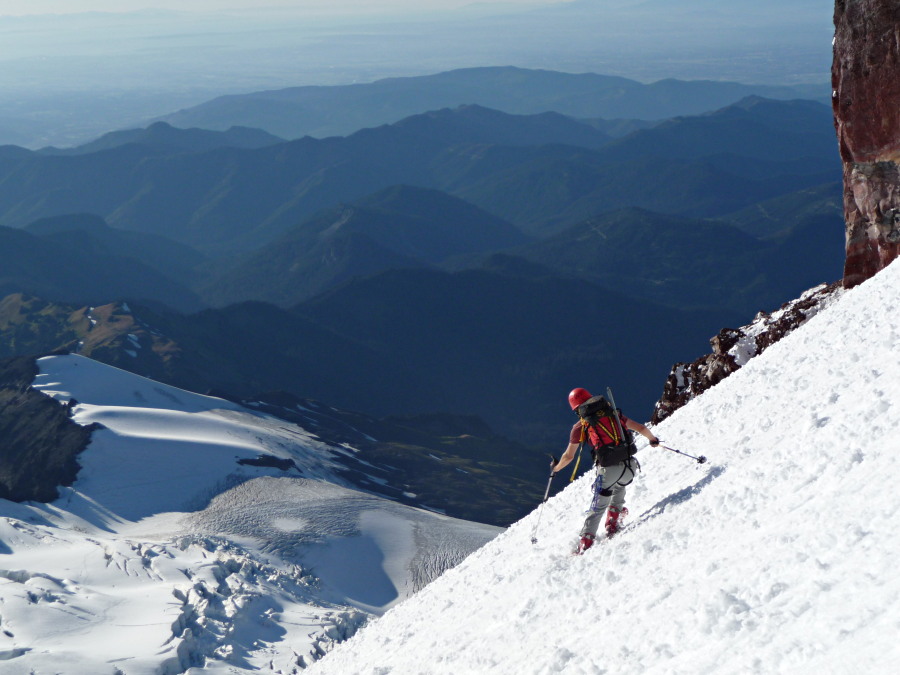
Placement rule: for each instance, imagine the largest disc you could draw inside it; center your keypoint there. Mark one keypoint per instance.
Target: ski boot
(586, 541)
(612, 520)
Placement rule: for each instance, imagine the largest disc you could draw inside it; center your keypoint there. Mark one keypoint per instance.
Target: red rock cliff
(865, 77)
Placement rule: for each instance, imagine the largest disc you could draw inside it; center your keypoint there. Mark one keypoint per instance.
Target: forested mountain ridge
(230, 199)
(339, 110)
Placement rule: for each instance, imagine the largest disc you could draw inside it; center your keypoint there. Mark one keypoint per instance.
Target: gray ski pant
(609, 491)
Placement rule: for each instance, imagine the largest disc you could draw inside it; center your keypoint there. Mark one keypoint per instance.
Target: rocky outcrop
(39, 444)
(866, 100)
(30, 325)
(734, 347)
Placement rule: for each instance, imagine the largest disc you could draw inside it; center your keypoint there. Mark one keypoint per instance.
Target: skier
(609, 486)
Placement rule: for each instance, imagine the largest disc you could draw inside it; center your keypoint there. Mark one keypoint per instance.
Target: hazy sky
(325, 6)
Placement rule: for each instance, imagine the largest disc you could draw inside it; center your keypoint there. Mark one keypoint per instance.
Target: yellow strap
(611, 432)
(580, 447)
(575, 470)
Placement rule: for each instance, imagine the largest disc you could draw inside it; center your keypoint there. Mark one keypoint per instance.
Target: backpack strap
(619, 447)
(611, 430)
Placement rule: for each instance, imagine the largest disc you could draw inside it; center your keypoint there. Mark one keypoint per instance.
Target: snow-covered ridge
(177, 551)
(778, 556)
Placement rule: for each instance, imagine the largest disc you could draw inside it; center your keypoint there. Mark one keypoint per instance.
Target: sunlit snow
(778, 556)
(168, 556)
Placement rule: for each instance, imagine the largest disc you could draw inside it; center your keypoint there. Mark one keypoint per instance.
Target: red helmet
(578, 396)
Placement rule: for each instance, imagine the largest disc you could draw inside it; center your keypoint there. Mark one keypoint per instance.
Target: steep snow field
(780, 555)
(168, 556)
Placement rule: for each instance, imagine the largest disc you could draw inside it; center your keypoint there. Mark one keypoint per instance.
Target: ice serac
(866, 101)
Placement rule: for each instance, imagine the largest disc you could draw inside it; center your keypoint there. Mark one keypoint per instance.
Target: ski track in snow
(167, 556)
(778, 556)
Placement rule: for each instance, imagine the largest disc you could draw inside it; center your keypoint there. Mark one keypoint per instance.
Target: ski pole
(700, 460)
(540, 508)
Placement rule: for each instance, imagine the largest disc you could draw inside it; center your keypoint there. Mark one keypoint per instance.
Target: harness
(603, 417)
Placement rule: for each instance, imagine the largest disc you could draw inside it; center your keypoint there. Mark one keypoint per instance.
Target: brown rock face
(732, 348)
(865, 76)
(39, 444)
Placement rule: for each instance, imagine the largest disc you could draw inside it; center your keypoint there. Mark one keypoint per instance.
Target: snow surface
(780, 555)
(168, 556)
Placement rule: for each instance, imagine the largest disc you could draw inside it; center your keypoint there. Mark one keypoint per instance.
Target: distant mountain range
(87, 233)
(687, 262)
(168, 138)
(778, 214)
(754, 127)
(399, 227)
(90, 262)
(341, 110)
(230, 199)
(461, 260)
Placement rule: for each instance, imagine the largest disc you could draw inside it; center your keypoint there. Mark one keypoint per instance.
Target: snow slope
(780, 555)
(170, 556)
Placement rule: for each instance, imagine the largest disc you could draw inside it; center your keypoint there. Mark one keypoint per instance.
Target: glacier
(171, 554)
